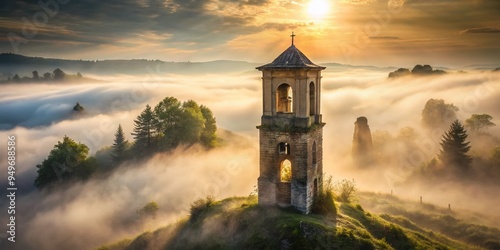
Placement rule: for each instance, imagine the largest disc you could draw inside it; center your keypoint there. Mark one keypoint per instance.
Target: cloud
(205, 29)
(384, 38)
(481, 31)
(87, 215)
(33, 109)
(103, 210)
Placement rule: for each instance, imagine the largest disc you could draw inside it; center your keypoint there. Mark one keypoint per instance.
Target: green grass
(240, 223)
(427, 218)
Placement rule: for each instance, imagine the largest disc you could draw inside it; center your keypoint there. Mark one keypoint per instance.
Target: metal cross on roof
(292, 36)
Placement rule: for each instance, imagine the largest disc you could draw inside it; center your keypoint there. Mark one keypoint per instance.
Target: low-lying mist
(104, 209)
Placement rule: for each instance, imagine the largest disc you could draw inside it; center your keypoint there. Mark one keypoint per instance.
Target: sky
(450, 33)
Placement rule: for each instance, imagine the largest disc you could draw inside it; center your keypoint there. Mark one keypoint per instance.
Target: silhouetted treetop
(59, 74)
(479, 122)
(437, 114)
(56, 75)
(418, 70)
(399, 72)
(78, 107)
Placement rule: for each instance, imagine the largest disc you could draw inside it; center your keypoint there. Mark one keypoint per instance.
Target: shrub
(200, 205)
(323, 203)
(345, 190)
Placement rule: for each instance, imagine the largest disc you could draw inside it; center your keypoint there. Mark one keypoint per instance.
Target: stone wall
(362, 143)
(304, 172)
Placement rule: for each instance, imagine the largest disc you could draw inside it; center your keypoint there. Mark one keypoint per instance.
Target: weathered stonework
(291, 132)
(304, 170)
(362, 143)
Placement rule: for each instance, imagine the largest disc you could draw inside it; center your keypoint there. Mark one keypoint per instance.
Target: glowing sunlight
(318, 8)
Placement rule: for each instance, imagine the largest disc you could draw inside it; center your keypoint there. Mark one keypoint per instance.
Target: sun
(318, 8)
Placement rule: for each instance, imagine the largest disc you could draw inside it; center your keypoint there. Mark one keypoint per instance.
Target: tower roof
(291, 58)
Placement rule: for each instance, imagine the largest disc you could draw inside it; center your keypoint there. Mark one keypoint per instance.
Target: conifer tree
(119, 146)
(144, 130)
(454, 148)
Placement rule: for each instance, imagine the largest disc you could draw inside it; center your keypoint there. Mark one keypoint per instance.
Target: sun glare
(318, 8)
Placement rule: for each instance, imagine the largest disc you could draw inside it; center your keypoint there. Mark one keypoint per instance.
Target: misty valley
(249, 124)
(148, 161)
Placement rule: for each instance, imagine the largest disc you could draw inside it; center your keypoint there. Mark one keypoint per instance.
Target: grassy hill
(240, 223)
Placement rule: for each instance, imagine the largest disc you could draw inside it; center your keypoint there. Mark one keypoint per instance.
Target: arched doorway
(284, 195)
(285, 171)
(284, 99)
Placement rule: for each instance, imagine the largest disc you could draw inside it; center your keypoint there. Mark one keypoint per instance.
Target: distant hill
(24, 65)
(11, 64)
(239, 223)
(482, 67)
(340, 67)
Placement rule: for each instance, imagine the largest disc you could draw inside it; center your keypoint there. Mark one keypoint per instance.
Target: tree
(86, 169)
(119, 146)
(36, 77)
(59, 74)
(208, 136)
(454, 148)
(400, 72)
(495, 155)
(47, 76)
(407, 134)
(79, 75)
(16, 78)
(438, 114)
(144, 130)
(149, 210)
(173, 123)
(193, 123)
(478, 122)
(169, 121)
(68, 159)
(78, 107)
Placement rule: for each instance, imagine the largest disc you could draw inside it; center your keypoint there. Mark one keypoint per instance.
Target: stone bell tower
(291, 131)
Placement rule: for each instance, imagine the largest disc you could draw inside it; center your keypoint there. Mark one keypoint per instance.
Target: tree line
(56, 75)
(169, 124)
(446, 147)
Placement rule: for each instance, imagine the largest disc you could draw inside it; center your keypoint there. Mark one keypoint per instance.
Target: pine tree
(144, 130)
(454, 148)
(119, 146)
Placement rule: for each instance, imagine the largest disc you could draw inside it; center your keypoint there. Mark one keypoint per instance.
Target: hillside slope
(239, 223)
